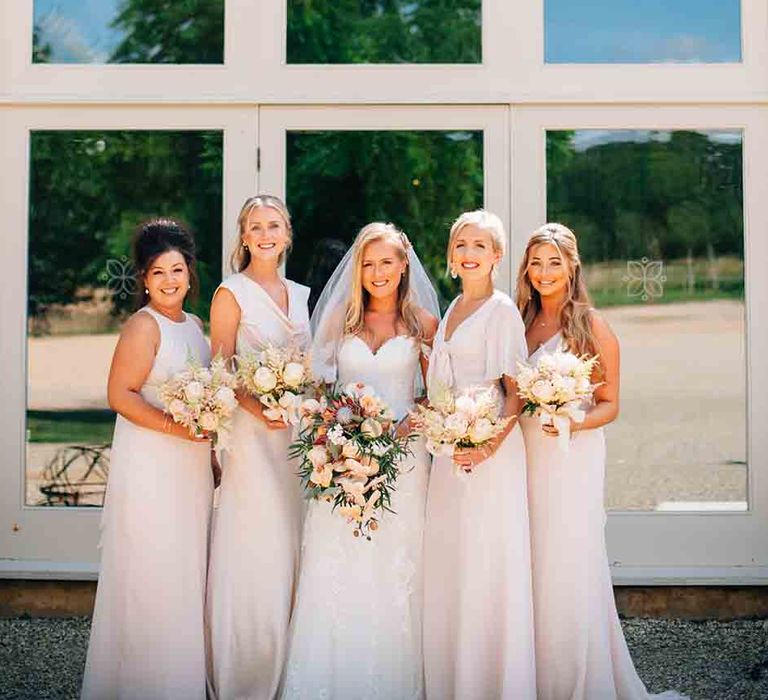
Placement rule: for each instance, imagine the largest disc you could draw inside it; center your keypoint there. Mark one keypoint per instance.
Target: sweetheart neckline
(373, 352)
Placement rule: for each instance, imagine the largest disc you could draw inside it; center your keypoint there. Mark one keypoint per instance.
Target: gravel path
(44, 658)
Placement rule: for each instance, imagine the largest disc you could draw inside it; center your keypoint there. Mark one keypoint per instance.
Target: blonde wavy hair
(241, 256)
(575, 313)
(354, 322)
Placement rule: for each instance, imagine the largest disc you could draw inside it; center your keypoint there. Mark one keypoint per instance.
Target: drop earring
(454, 274)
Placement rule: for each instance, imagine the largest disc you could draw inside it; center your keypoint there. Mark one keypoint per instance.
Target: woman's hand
(404, 427)
(469, 457)
(552, 431)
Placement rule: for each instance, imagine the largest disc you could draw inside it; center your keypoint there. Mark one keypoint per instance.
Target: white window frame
(493, 121)
(60, 542)
(711, 547)
(512, 80)
(512, 68)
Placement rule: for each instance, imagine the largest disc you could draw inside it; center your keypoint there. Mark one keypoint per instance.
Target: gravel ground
(44, 658)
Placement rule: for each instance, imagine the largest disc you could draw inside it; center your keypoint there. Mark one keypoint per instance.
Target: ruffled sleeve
(504, 340)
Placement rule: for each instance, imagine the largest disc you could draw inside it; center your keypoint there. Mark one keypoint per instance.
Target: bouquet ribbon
(561, 419)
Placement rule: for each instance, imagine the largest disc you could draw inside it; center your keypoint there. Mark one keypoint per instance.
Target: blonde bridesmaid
(478, 616)
(255, 543)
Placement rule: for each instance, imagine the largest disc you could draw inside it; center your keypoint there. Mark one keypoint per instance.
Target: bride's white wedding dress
(356, 628)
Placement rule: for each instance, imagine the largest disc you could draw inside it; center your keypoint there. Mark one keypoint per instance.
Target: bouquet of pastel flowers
(348, 453)
(201, 399)
(278, 377)
(556, 388)
(470, 419)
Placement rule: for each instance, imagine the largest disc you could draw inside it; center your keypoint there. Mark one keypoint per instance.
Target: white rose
(318, 455)
(565, 386)
(546, 364)
(583, 384)
(289, 402)
(466, 405)
(177, 407)
(209, 422)
(481, 430)
(264, 379)
(566, 362)
(193, 391)
(293, 374)
(457, 424)
(226, 397)
(371, 428)
(543, 391)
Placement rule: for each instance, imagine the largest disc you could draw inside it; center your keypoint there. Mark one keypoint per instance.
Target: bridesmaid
(478, 617)
(147, 638)
(257, 526)
(580, 649)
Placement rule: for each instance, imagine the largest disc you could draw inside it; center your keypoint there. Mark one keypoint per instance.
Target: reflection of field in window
(659, 219)
(89, 190)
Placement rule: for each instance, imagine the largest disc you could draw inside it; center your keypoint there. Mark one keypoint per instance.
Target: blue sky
(642, 31)
(78, 30)
(583, 139)
(576, 31)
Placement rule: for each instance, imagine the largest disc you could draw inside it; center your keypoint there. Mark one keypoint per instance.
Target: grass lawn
(79, 427)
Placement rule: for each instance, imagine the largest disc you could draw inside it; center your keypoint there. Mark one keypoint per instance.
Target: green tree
(170, 31)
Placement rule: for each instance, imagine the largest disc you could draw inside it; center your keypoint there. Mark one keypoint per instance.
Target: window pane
(659, 219)
(128, 31)
(89, 191)
(338, 181)
(356, 31)
(651, 31)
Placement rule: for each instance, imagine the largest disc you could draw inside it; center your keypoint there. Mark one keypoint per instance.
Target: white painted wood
(59, 536)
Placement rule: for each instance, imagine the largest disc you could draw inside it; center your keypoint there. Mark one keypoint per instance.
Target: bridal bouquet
(201, 399)
(348, 453)
(468, 420)
(278, 377)
(555, 389)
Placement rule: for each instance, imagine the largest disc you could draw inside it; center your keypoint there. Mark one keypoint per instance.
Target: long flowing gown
(147, 637)
(356, 630)
(581, 653)
(478, 616)
(257, 525)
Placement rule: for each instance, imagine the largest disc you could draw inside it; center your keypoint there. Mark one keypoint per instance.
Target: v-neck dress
(581, 653)
(478, 612)
(257, 525)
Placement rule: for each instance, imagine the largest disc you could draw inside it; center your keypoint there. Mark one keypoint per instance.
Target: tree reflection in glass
(659, 218)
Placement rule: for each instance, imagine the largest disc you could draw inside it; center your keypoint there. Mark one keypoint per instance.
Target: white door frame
(60, 542)
(705, 547)
(493, 121)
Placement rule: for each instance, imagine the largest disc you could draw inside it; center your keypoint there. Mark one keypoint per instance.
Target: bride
(356, 629)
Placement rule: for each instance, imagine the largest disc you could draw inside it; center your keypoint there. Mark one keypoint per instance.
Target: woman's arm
(131, 364)
(225, 320)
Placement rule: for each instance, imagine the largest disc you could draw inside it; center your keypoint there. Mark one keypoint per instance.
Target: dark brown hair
(152, 239)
